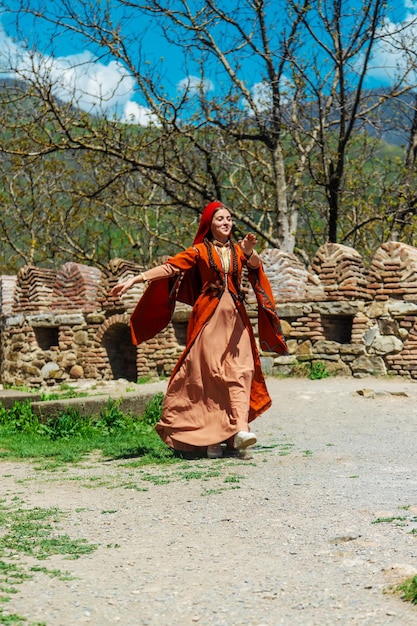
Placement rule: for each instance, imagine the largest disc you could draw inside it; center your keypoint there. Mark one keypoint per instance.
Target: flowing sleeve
(154, 310)
(270, 334)
(161, 271)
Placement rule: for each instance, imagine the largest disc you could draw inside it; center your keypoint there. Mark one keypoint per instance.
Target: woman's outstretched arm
(154, 273)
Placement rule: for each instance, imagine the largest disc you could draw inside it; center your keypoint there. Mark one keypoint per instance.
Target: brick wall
(354, 318)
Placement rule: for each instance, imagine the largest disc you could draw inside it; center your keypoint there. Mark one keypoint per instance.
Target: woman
(217, 387)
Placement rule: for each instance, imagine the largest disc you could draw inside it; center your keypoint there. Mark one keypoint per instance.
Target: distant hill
(394, 119)
(391, 123)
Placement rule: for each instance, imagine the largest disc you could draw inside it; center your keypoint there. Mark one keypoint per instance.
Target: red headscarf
(154, 310)
(205, 221)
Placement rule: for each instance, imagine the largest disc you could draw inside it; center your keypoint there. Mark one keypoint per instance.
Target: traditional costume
(217, 386)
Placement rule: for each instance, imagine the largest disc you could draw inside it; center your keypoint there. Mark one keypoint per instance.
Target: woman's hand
(248, 243)
(121, 288)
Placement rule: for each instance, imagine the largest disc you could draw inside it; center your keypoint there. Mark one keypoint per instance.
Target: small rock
(76, 372)
(51, 370)
(366, 393)
(345, 538)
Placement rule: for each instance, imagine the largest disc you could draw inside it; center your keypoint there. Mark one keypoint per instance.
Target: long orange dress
(217, 386)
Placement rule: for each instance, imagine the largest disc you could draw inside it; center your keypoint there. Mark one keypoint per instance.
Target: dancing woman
(217, 387)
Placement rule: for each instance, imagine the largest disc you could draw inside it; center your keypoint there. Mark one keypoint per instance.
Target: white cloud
(79, 78)
(395, 49)
(262, 95)
(194, 85)
(134, 113)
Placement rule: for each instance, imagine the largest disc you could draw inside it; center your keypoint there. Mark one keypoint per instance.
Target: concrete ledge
(9, 397)
(129, 401)
(92, 405)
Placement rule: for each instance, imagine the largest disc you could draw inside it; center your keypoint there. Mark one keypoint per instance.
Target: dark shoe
(214, 451)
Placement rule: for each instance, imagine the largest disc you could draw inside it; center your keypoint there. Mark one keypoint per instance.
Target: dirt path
(293, 535)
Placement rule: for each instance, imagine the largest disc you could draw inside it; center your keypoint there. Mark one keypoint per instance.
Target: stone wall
(355, 319)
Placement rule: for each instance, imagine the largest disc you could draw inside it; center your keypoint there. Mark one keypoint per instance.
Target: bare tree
(227, 145)
(273, 96)
(336, 107)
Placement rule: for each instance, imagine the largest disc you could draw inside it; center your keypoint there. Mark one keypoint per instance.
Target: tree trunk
(412, 143)
(286, 221)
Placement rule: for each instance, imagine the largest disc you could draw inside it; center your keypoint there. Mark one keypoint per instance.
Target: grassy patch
(70, 437)
(199, 474)
(63, 395)
(233, 478)
(284, 448)
(315, 370)
(389, 520)
(143, 380)
(31, 532)
(408, 590)
(318, 371)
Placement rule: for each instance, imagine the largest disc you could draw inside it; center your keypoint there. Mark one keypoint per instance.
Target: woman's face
(221, 225)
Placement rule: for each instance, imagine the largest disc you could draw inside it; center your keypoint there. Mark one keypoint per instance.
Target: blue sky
(76, 66)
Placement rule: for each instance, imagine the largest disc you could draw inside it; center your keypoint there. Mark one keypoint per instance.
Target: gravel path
(293, 534)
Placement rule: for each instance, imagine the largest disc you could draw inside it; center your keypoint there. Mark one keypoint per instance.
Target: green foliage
(318, 370)
(63, 395)
(389, 520)
(20, 419)
(7, 620)
(313, 370)
(145, 379)
(408, 589)
(68, 436)
(66, 425)
(153, 410)
(112, 419)
(31, 532)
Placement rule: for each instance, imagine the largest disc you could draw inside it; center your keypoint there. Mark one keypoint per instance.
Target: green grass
(34, 533)
(315, 370)
(143, 380)
(318, 371)
(408, 590)
(62, 395)
(70, 437)
(199, 473)
(389, 520)
(233, 478)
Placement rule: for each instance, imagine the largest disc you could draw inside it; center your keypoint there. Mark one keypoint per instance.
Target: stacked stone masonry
(338, 313)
